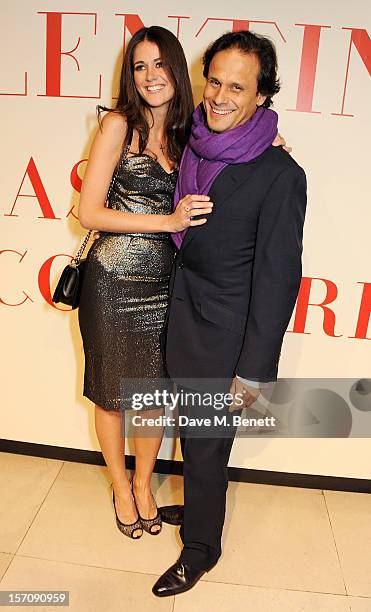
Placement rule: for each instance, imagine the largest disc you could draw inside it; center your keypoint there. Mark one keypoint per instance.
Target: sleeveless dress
(124, 296)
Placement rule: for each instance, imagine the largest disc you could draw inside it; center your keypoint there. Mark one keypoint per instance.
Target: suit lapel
(225, 184)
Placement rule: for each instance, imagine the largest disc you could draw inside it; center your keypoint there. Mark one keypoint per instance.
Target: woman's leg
(147, 441)
(110, 430)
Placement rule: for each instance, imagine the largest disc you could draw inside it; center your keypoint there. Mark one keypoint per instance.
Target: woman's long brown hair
(132, 106)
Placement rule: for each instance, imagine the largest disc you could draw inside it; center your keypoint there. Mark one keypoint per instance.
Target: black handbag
(68, 289)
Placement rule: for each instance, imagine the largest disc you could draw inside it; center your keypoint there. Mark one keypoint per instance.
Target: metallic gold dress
(125, 292)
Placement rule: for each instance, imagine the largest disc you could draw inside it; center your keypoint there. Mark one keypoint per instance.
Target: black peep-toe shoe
(148, 524)
(127, 529)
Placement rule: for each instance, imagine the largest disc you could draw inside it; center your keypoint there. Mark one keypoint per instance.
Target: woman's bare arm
(93, 214)
(104, 155)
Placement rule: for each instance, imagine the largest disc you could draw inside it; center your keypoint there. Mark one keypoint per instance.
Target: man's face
(230, 94)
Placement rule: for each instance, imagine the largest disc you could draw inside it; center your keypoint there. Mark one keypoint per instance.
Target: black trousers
(206, 452)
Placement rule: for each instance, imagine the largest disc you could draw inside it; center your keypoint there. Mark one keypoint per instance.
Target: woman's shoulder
(111, 133)
(114, 126)
(114, 118)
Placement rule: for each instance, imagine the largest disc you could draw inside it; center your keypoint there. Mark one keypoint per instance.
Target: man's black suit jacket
(235, 279)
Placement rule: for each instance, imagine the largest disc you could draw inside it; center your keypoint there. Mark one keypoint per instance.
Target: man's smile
(222, 111)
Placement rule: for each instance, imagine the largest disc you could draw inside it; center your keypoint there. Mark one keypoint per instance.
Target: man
(235, 278)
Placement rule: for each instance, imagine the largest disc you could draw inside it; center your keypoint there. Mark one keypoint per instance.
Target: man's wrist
(256, 384)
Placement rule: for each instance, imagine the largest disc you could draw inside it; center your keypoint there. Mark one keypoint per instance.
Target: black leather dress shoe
(179, 578)
(172, 514)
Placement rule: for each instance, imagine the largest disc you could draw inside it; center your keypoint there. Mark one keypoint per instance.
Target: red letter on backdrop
(308, 68)
(361, 40)
(240, 24)
(22, 93)
(303, 303)
(22, 255)
(76, 183)
(364, 313)
(133, 23)
(40, 193)
(178, 17)
(54, 54)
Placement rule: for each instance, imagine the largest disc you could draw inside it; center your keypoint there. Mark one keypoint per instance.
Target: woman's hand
(279, 141)
(189, 207)
(96, 235)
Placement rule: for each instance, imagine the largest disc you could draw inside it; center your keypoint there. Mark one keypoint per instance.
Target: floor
(284, 549)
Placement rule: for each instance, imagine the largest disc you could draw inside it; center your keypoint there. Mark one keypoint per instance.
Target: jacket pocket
(221, 315)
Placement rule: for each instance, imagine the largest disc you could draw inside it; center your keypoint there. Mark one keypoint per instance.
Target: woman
(125, 292)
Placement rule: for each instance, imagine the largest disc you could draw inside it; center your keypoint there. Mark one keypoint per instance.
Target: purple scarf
(216, 151)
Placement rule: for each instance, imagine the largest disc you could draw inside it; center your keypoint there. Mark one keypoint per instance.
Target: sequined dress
(125, 292)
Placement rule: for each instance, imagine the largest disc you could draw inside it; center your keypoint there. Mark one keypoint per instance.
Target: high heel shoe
(127, 529)
(148, 524)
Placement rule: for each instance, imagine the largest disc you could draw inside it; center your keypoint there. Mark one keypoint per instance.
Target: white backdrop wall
(60, 59)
